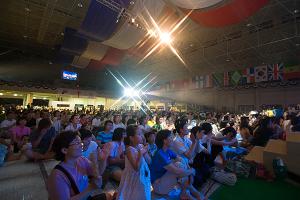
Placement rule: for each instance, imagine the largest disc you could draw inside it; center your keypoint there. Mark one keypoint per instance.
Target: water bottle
(280, 169)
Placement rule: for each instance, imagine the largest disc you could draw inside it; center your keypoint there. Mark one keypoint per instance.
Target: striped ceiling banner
(113, 57)
(100, 21)
(95, 50)
(80, 62)
(230, 13)
(129, 34)
(195, 4)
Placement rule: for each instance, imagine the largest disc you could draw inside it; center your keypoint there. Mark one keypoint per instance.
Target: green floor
(250, 189)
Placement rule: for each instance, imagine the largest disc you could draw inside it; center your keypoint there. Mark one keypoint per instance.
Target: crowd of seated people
(165, 150)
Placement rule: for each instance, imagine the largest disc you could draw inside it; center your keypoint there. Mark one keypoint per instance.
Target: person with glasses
(75, 177)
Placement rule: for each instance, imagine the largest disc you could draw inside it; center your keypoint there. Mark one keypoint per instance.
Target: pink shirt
(58, 185)
(19, 131)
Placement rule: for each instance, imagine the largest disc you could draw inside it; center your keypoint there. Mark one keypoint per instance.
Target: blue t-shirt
(104, 137)
(159, 161)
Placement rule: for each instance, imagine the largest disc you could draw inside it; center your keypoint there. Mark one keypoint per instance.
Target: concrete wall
(232, 100)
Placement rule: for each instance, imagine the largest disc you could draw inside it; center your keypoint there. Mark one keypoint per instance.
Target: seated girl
(115, 157)
(19, 134)
(167, 170)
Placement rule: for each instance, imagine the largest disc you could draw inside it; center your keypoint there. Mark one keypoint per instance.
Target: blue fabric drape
(100, 21)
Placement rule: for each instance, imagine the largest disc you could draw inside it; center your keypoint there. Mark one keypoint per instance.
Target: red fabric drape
(231, 13)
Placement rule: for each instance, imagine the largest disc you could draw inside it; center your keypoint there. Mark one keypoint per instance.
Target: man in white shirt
(96, 122)
(117, 122)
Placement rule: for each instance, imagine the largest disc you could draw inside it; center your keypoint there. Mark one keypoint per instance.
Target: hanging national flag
(261, 74)
(275, 72)
(168, 87)
(248, 76)
(226, 79)
(195, 82)
(291, 72)
(201, 82)
(208, 81)
(186, 83)
(218, 79)
(235, 77)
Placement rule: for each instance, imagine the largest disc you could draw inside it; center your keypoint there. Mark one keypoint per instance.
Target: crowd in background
(162, 148)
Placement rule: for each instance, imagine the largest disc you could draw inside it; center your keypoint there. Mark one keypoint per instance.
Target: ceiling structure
(32, 30)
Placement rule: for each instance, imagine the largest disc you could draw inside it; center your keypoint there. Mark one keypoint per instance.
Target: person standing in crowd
(57, 121)
(19, 133)
(168, 171)
(117, 122)
(70, 178)
(74, 124)
(115, 150)
(106, 135)
(135, 182)
(41, 141)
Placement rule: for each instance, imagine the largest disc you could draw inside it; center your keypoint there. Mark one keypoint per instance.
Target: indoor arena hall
(149, 99)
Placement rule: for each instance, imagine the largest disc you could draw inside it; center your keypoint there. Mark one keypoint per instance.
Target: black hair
(206, 127)
(118, 134)
(160, 137)
(44, 123)
(84, 133)
(229, 130)
(20, 119)
(82, 115)
(131, 122)
(141, 119)
(195, 130)
(106, 122)
(72, 117)
(148, 134)
(179, 124)
(131, 130)
(63, 140)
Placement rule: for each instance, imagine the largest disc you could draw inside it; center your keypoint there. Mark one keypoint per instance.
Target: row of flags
(265, 73)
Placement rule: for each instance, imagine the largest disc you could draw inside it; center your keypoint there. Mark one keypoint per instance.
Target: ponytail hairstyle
(131, 131)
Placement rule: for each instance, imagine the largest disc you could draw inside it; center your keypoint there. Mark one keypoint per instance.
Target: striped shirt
(104, 137)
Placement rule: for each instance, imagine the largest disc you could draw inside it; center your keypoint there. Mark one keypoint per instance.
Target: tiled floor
(23, 180)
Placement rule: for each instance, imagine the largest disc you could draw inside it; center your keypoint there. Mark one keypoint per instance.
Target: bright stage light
(165, 38)
(130, 92)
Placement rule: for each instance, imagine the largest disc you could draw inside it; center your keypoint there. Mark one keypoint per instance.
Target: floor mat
(250, 189)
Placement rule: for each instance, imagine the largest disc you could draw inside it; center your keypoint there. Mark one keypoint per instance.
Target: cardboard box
(293, 143)
(256, 154)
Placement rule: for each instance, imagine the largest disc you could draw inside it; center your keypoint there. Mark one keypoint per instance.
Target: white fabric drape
(95, 50)
(195, 4)
(128, 35)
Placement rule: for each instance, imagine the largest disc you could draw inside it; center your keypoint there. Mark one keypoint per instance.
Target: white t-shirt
(7, 123)
(113, 148)
(120, 125)
(70, 127)
(96, 122)
(181, 145)
(143, 129)
(91, 149)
